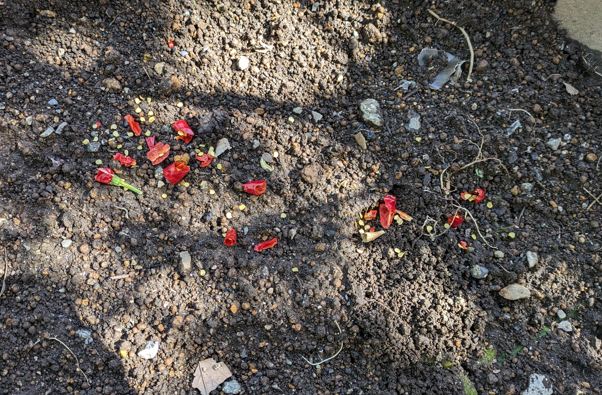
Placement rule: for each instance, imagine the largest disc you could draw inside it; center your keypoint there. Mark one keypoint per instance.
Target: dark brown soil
(409, 316)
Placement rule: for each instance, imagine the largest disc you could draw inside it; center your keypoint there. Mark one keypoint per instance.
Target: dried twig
(596, 200)
(433, 13)
(72, 353)
(5, 273)
(466, 211)
(127, 216)
(149, 77)
(520, 109)
(327, 359)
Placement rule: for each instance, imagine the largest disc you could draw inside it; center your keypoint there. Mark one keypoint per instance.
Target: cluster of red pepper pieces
(455, 220)
(158, 152)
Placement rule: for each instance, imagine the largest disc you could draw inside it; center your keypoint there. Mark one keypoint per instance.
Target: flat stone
(243, 63)
(371, 112)
(320, 247)
(112, 83)
(59, 130)
(515, 292)
(150, 351)
(317, 116)
(47, 132)
(53, 102)
(66, 243)
(561, 314)
(538, 385)
(479, 272)
(159, 173)
(297, 110)
(185, 262)
(93, 146)
(554, 143)
(532, 258)
(159, 68)
(232, 387)
(414, 124)
(498, 254)
(361, 140)
(222, 146)
(29, 120)
(565, 326)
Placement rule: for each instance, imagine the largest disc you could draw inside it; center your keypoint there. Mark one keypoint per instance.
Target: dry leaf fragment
(209, 375)
(570, 89)
(359, 138)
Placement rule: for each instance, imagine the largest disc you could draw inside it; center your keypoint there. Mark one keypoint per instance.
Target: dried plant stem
(327, 359)
(596, 200)
(520, 109)
(74, 356)
(433, 13)
(466, 211)
(5, 274)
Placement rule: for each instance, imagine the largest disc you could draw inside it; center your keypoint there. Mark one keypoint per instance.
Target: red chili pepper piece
(266, 244)
(170, 44)
(466, 196)
(390, 202)
(158, 153)
(372, 229)
(124, 160)
(230, 239)
(255, 187)
(150, 141)
(175, 172)
(98, 124)
(370, 215)
(403, 215)
(386, 216)
(455, 220)
(184, 131)
(135, 126)
(205, 159)
(104, 175)
(463, 245)
(480, 195)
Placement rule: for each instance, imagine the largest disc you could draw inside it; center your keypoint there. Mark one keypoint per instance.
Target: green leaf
(479, 173)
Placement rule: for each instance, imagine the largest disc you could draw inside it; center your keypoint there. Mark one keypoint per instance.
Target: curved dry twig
(327, 359)
(5, 274)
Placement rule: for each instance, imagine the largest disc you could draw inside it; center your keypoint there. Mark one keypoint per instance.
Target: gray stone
(243, 63)
(561, 314)
(112, 83)
(159, 68)
(317, 116)
(47, 132)
(232, 387)
(565, 326)
(150, 351)
(93, 146)
(414, 124)
(59, 130)
(159, 173)
(498, 254)
(29, 120)
(538, 385)
(185, 262)
(371, 112)
(532, 258)
(515, 292)
(160, 184)
(297, 110)
(66, 243)
(53, 102)
(222, 146)
(479, 271)
(554, 143)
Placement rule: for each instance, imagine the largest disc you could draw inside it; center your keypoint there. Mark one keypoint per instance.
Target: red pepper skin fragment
(462, 244)
(266, 244)
(184, 131)
(230, 239)
(255, 187)
(370, 215)
(466, 196)
(175, 172)
(158, 153)
(480, 195)
(124, 160)
(150, 141)
(104, 175)
(205, 159)
(455, 220)
(403, 215)
(170, 44)
(386, 216)
(390, 202)
(372, 229)
(135, 126)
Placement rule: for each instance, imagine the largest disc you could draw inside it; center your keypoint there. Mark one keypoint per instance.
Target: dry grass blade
(74, 356)
(327, 359)
(5, 274)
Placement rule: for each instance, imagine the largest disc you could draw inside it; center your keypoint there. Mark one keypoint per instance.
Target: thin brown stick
(149, 77)
(476, 225)
(596, 200)
(74, 356)
(433, 13)
(5, 273)
(520, 109)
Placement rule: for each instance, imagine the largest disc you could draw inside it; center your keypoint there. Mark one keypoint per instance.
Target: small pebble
(66, 243)
(243, 63)
(561, 314)
(498, 254)
(565, 326)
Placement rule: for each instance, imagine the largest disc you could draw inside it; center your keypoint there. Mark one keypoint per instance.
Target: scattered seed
(151, 119)
(186, 184)
(418, 139)
(229, 216)
(164, 196)
(202, 272)
(211, 192)
(142, 119)
(130, 134)
(446, 226)
(180, 104)
(474, 237)
(113, 127)
(139, 148)
(242, 207)
(86, 142)
(489, 205)
(138, 110)
(295, 269)
(360, 222)
(119, 146)
(147, 133)
(275, 154)
(219, 166)
(94, 126)
(126, 152)
(150, 114)
(429, 228)
(148, 100)
(512, 235)
(116, 133)
(283, 215)
(137, 101)
(291, 119)
(99, 162)
(397, 250)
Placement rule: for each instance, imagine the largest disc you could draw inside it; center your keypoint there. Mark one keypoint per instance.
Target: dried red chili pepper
(124, 160)
(98, 124)
(135, 126)
(205, 159)
(170, 43)
(390, 202)
(107, 176)
(372, 229)
(386, 215)
(150, 141)
(230, 239)
(266, 244)
(480, 195)
(158, 153)
(184, 131)
(370, 215)
(462, 244)
(455, 220)
(255, 187)
(175, 172)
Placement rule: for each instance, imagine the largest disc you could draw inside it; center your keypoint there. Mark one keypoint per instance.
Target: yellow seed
(283, 215)
(211, 192)
(295, 269)
(94, 126)
(429, 228)
(119, 146)
(116, 133)
(147, 133)
(202, 272)
(418, 139)
(56, 119)
(367, 227)
(401, 254)
(275, 154)
(150, 114)
(95, 138)
(360, 222)
(142, 119)
(201, 145)
(223, 235)
(396, 217)
(130, 134)
(229, 215)
(148, 100)
(219, 166)
(139, 148)
(137, 101)
(446, 226)
(179, 104)
(186, 184)
(86, 142)
(113, 127)
(361, 231)
(242, 207)
(126, 152)
(123, 353)
(291, 119)
(138, 110)
(164, 196)
(151, 119)
(360, 251)
(99, 162)
(474, 237)
(397, 250)
(512, 235)
(489, 205)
